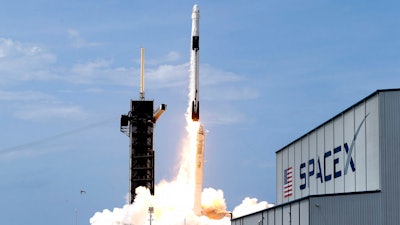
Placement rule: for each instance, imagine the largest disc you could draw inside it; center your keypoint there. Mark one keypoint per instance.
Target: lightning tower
(138, 125)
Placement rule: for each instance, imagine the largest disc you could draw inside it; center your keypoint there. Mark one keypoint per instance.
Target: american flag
(287, 182)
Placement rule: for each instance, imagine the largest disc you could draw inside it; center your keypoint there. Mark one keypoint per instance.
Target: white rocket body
(199, 172)
(194, 64)
(194, 70)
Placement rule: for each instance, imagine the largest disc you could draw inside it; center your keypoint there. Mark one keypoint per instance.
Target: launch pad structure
(138, 125)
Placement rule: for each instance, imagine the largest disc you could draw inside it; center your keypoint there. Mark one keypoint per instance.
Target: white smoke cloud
(110, 217)
(250, 205)
(170, 207)
(213, 203)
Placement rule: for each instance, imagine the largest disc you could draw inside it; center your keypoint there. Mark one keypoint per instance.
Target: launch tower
(138, 125)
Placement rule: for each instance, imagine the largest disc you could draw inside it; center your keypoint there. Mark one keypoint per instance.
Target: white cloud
(91, 71)
(19, 61)
(215, 76)
(169, 75)
(172, 56)
(34, 105)
(102, 71)
(27, 62)
(77, 41)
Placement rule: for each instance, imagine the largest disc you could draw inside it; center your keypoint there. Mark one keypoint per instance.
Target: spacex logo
(322, 173)
(317, 167)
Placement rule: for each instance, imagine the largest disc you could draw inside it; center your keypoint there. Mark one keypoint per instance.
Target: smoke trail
(24, 146)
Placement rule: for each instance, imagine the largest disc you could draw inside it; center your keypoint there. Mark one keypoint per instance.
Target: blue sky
(270, 72)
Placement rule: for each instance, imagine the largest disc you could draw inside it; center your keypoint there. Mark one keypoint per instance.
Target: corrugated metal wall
(355, 209)
(390, 156)
(295, 213)
(344, 209)
(255, 219)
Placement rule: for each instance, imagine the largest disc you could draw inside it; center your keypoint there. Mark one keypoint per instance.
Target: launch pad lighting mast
(138, 125)
(142, 74)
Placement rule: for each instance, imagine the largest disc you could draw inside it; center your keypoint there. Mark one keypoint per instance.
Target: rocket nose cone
(195, 12)
(195, 9)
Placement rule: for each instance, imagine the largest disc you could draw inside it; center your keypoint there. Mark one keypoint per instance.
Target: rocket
(194, 63)
(199, 171)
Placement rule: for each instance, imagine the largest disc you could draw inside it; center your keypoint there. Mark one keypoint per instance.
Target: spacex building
(345, 171)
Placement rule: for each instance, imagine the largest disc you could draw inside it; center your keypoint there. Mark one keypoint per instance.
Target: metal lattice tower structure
(138, 125)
